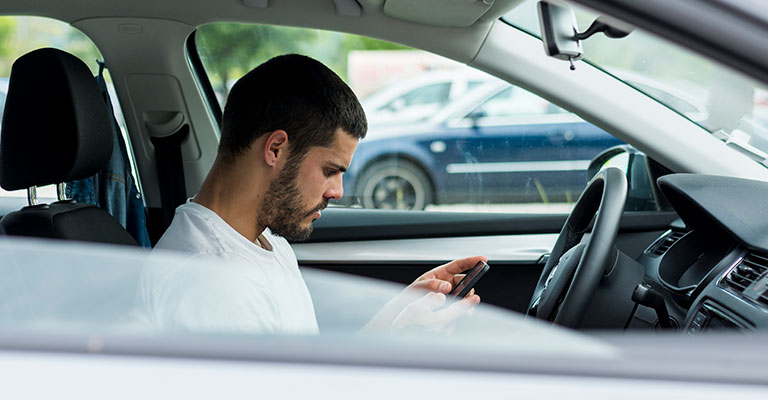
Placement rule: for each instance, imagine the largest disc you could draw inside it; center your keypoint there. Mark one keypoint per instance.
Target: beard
(283, 205)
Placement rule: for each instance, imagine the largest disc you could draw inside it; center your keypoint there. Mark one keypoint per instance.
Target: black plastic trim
(199, 69)
(345, 224)
(711, 202)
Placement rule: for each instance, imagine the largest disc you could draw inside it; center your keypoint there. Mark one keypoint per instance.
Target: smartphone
(470, 280)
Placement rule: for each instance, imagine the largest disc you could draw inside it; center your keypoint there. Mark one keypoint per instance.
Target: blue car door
(517, 147)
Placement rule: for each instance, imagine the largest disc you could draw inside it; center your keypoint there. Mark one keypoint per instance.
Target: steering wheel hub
(551, 296)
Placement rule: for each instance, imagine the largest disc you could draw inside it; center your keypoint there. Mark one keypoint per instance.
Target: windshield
(728, 104)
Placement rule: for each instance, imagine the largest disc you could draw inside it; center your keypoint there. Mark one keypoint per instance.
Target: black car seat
(56, 128)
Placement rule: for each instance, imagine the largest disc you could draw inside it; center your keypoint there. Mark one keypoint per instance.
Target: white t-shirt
(244, 289)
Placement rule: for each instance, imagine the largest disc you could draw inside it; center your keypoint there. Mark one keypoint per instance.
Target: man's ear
(275, 147)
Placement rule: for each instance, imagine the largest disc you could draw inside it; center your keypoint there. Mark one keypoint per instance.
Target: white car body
(388, 105)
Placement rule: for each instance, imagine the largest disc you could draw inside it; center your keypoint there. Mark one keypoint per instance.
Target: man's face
(296, 196)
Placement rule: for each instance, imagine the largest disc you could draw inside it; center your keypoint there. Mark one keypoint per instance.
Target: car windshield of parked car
(726, 103)
(64, 289)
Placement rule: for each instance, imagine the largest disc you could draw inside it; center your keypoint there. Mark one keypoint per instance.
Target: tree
(230, 50)
(7, 30)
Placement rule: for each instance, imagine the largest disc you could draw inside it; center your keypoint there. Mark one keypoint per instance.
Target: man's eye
(331, 172)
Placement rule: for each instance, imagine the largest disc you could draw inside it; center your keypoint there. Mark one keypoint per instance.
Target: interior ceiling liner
(444, 13)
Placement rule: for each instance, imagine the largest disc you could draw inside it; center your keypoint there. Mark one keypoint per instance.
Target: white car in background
(418, 97)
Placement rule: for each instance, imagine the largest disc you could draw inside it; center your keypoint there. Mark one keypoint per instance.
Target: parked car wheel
(395, 184)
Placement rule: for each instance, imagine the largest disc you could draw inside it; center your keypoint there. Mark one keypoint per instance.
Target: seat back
(56, 128)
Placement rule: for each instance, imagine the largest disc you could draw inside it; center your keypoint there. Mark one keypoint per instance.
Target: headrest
(56, 126)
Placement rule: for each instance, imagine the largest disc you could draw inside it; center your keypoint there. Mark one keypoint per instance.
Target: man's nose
(336, 190)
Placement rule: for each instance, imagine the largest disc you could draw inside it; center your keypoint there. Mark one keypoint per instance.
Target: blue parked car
(497, 144)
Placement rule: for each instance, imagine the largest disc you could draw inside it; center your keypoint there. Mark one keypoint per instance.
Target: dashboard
(711, 266)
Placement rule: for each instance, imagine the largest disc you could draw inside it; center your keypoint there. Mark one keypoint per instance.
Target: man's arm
(225, 295)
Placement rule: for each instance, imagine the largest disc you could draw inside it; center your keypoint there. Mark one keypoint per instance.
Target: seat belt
(170, 171)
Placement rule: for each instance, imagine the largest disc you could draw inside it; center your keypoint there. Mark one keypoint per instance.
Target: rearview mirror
(612, 29)
(559, 30)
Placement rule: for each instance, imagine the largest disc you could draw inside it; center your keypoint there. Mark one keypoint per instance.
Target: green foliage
(228, 50)
(354, 42)
(7, 30)
(20, 35)
(82, 47)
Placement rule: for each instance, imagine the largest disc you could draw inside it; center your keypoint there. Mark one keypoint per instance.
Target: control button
(757, 288)
(700, 319)
(694, 328)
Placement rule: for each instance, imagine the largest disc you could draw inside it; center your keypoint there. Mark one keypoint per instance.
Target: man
(289, 131)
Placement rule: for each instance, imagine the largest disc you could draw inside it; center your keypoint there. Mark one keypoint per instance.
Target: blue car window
(472, 85)
(437, 94)
(515, 101)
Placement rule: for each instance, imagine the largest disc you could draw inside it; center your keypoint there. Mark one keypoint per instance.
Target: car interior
(63, 82)
(692, 258)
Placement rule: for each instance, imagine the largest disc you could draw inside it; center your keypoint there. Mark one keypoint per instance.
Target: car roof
(198, 12)
(418, 24)
(447, 21)
(485, 42)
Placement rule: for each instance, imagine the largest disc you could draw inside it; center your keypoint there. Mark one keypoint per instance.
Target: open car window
(441, 136)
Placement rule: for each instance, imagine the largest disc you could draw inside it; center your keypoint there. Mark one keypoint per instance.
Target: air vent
(748, 278)
(662, 244)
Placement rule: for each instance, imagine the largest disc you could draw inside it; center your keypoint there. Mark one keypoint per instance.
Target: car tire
(394, 184)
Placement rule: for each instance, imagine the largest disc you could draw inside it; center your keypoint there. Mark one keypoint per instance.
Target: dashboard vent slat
(664, 243)
(748, 270)
(763, 299)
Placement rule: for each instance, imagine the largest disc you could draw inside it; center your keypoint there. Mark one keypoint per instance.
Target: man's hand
(411, 310)
(444, 278)
(428, 314)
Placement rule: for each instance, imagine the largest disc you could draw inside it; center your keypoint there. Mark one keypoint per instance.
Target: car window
(435, 95)
(472, 85)
(20, 35)
(515, 101)
(3, 91)
(421, 152)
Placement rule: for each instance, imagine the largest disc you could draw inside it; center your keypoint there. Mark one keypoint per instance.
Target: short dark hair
(294, 93)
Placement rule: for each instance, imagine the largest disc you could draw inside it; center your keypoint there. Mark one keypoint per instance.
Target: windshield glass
(726, 103)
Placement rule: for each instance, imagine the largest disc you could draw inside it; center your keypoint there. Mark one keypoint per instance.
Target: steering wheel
(574, 269)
